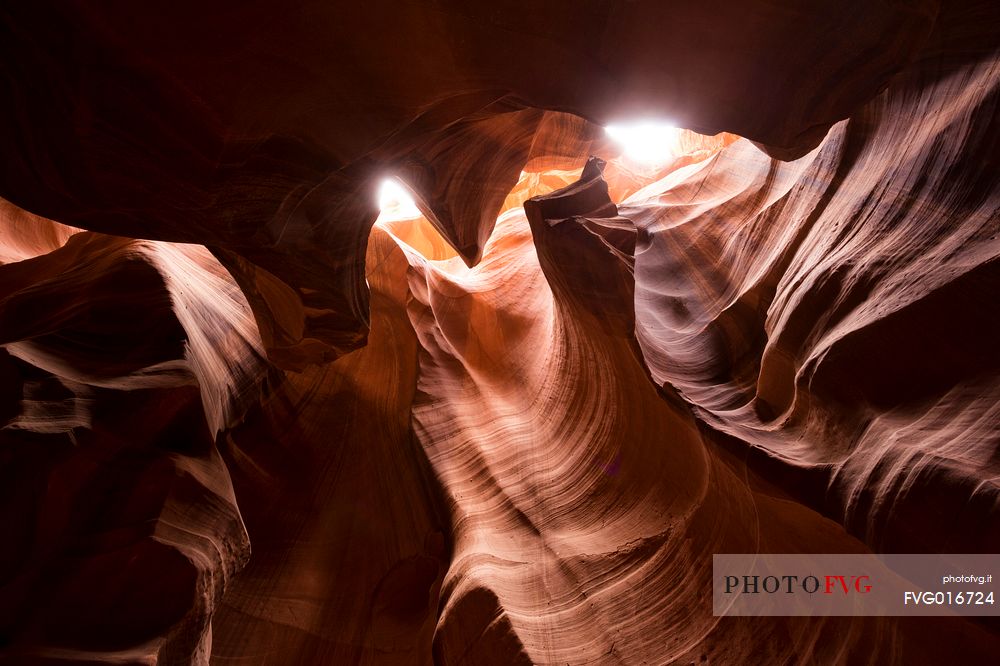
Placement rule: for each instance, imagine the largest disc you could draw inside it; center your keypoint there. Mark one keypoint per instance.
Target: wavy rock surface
(122, 529)
(829, 311)
(261, 424)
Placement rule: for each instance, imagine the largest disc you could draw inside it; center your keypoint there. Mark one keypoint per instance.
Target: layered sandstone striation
(245, 419)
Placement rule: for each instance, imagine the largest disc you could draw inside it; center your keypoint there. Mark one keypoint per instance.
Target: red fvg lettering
(858, 583)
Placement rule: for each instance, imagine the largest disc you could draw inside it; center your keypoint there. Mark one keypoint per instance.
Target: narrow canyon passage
(422, 333)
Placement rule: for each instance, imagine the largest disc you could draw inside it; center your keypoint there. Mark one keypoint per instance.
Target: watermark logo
(832, 584)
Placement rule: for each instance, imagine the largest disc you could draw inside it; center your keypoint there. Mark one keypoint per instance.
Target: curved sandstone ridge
(263, 424)
(121, 526)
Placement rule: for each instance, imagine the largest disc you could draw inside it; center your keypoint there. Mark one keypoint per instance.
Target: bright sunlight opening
(395, 202)
(646, 142)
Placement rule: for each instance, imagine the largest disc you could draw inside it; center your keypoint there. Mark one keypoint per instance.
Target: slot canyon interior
(465, 333)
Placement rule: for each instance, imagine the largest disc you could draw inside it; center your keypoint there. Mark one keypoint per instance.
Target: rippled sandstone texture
(244, 425)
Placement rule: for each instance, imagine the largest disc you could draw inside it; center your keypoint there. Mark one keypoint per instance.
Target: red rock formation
(121, 527)
(251, 427)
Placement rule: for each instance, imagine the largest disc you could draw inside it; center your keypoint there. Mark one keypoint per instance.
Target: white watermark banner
(829, 584)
